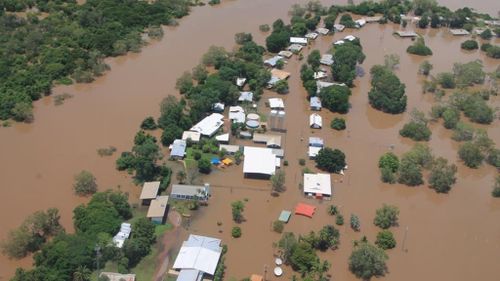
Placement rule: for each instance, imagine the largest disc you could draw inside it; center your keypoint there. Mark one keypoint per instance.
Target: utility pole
(404, 240)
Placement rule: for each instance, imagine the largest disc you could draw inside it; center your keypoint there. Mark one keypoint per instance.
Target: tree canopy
(331, 160)
(387, 93)
(367, 261)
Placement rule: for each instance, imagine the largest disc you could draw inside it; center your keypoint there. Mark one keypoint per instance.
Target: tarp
(215, 161)
(305, 210)
(285, 216)
(227, 161)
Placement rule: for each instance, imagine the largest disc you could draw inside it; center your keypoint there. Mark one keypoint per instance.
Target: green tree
(419, 48)
(389, 160)
(278, 226)
(303, 257)
(287, 244)
(486, 34)
(355, 223)
(367, 261)
(496, 187)
(386, 216)
(148, 124)
(451, 117)
(281, 87)
(236, 232)
(463, 132)
(329, 237)
(339, 220)
(242, 38)
(410, 173)
(332, 210)
(82, 273)
(278, 181)
(442, 175)
(468, 74)
(385, 240)
(470, 153)
(313, 59)
(331, 160)
(338, 124)
(85, 183)
(425, 67)
(446, 80)
(416, 131)
(237, 208)
(387, 93)
(204, 166)
(469, 45)
(335, 98)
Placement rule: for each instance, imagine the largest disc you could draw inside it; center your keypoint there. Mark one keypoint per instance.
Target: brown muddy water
(449, 237)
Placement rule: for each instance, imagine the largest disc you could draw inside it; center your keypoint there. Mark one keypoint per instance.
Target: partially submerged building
(311, 35)
(315, 121)
(149, 192)
(190, 192)
(295, 48)
(273, 61)
(271, 141)
(404, 33)
(178, 150)
(245, 96)
(298, 40)
(157, 209)
(318, 186)
(122, 235)
(286, 54)
(339, 27)
(322, 30)
(276, 103)
(259, 162)
(315, 103)
(209, 125)
(459, 32)
(193, 136)
(198, 256)
(326, 59)
(277, 75)
(230, 149)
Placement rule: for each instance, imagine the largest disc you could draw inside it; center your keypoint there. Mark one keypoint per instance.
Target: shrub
(331, 160)
(486, 34)
(236, 232)
(410, 173)
(471, 154)
(416, 131)
(338, 124)
(442, 175)
(470, 45)
(496, 187)
(332, 210)
(281, 87)
(264, 27)
(85, 183)
(493, 52)
(451, 116)
(339, 220)
(386, 216)
(335, 98)
(425, 68)
(355, 223)
(385, 240)
(302, 162)
(446, 80)
(204, 166)
(390, 161)
(419, 48)
(463, 132)
(237, 208)
(278, 226)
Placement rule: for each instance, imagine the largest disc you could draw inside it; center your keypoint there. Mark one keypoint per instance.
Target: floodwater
(454, 236)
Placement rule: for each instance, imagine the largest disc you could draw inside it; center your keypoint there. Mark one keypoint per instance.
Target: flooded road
(455, 236)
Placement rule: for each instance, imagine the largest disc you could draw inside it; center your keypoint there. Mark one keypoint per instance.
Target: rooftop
(276, 103)
(199, 253)
(118, 277)
(194, 136)
(158, 207)
(259, 160)
(317, 184)
(209, 125)
(272, 61)
(246, 96)
(298, 40)
(178, 148)
(149, 190)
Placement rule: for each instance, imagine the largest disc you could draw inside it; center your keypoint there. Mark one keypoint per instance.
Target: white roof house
(319, 75)
(350, 38)
(194, 136)
(246, 96)
(313, 151)
(286, 54)
(240, 81)
(272, 61)
(322, 30)
(295, 48)
(209, 125)
(315, 141)
(276, 103)
(311, 35)
(258, 161)
(326, 59)
(149, 190)
(224, 138)
(237, 114)
(178, 149)
(318, 185)
(339, 27)
(198, 253)
(298, 40)
(315, 103)
(315, 121)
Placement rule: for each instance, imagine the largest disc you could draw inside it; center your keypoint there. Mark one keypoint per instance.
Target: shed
(315, 121)
(258, 162)
(318, 185)
(295, 48)
(350, 38)
(459, 32)
(178, 149)
(305, 210)
(338, 42)
(312, 35)
(224, 138)
(326, 59)
(231, 149)
(339, 27)
(149, 191)
(209, 125)
(298, 40)
(319, 75)
(273, 141)
(276, 103)
(237, 114)
(360, 23)
(194, 136)
(315, 103)
(285, 216)
(273, 61)
(280, 74)
(246, 96)
(157, 209)
(285, 54)
(218, 107)
(322, 30)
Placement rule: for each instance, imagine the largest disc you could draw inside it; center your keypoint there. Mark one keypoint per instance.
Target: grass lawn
(161, 229)
(147, 266)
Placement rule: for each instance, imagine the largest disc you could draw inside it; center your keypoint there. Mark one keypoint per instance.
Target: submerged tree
(367, 261)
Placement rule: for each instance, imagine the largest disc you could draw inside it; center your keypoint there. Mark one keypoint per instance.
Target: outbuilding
(318, 185)
(245, 96)
(273, 61)
(149, 192)
(315, 103)
(326, 59)
(193, 136)
(157, 209)
(315, 121)
(178, 149)
(276, 103)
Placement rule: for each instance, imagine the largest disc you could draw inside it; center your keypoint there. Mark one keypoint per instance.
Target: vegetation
(34, 57)
(264, 27)
(204, 166)
(416, 129)
(386, 216)
(279, 37)
(496, 187)
(367, 261)
(339, 219)
(236, 232)
(149, 124)
(85, 183)
(470, 153)
(446, 80)
(425, 68)
(278, 181)
(338, 124)
(106, 151)
(385, 240)
(391, 61)
(345, 59)
(419, 48)
(331, 160)
(355, 223)
(387, 93)
(492, 51)
(278, 226)
(470, 45)
(335, 98)
(237, 208)
(442, 175)
(389, 166)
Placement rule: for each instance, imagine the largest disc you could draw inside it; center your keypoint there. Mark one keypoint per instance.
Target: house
(230, 149)
(319, 75)
(190, 192)
(276, 103)
(360, 23)
(326, 59)
(224, 138)
(313, 151)
(178, 149)
(338, 42)
(350, 38)
(209, 125)
(259, 162)
(218, 107)
(459, 32)
(403, 33)
(311, 35)
(122, 235)
(280, 153)
(199, 255)
(277, 75)
(157, 209)
(318, 185)
(193, 136)
(339, 27)
(322, 30)
(316, 142)
(298, 40)
(112, 276)
(149, 192)
(245, 96)
(273, 61)
(237, 114)
(295, 48)
(315, 121)
(285, 54)
(315, 103)
(272, 141)
(240, 82)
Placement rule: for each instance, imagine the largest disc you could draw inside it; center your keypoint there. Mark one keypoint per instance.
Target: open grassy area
(146, 267)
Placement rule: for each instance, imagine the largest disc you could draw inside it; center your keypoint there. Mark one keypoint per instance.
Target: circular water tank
(253, 124)
(253, 116)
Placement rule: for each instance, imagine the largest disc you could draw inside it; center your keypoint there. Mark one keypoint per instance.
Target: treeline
(70, 256)
(69, 44)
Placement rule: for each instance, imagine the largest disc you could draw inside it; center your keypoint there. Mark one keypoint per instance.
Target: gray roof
(191, 190)
(178, 148)
(272, 61)
(315, 141)
(315, 102)
(188, 275)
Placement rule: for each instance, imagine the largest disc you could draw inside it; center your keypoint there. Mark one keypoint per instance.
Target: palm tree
(82, 273)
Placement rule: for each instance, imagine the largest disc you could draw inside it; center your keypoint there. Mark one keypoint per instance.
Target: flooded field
(450, 237)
